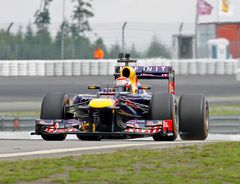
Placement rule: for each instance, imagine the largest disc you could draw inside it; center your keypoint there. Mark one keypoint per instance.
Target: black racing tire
(163, 106)
(57, 137)
(193, 117)
(88, 137)
(53, 108)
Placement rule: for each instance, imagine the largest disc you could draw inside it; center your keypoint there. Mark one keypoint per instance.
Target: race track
(25, 93)
(33, 88)
(29, 149)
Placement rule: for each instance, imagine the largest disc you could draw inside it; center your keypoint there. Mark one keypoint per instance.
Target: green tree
(114, 51)
(42, 15)
(44, 45)
(17, 42)
(29, 35)
(29, 43)
(69, 50)
(76, 44)
(43, 37)
(3, 44)
(134, 53)
(81, 13)
(19, 34)
(157, 49)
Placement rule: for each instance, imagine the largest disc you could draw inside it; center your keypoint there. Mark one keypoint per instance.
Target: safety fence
(225, 125)
(17, 124)
(217, 125)
(106, 67)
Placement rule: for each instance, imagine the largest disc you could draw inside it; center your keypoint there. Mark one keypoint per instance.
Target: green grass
(215, 110)
(212, 163)
(225, 110)
(21, 114)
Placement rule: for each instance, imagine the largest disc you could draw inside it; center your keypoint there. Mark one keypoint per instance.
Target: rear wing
(153, 72)
(149, 72)
(146, 72)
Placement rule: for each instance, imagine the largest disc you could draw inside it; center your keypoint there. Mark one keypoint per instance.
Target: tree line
(36, 41)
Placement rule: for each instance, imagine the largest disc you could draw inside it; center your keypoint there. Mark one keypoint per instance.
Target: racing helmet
(122, 84)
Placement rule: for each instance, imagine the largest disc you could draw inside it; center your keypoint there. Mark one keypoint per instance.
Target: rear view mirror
(93, 87)
(144, 87)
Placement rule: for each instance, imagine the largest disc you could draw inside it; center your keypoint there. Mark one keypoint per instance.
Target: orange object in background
(16, 124)
(98, 54)
(230, 31)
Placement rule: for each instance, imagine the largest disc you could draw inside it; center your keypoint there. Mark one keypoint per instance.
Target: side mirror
(144, 87)
(94, 87)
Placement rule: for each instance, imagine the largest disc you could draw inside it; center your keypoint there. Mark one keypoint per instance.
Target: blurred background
(66, 45)
(75, 29)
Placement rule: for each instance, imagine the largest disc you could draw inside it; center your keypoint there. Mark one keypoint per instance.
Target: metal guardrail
(17, 124)
(225, 124)
(217, 125)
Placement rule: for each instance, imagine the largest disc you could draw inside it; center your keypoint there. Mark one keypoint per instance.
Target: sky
(22, 11)
(149, 16)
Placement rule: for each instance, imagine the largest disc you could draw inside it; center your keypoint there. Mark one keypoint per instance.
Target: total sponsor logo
(45, 122)
(157, 69)
(147, 131)
(149, 123)
(154, 123)
(65, 130)
(133, 125)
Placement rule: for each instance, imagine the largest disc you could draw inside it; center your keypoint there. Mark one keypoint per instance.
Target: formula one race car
(125, 110)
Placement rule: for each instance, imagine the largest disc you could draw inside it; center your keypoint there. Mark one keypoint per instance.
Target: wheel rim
(176, 116)
(207, 117)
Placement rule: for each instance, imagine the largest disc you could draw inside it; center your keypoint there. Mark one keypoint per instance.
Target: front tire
(163, 106)
(88, 137)
(193, 117)
(53, 108)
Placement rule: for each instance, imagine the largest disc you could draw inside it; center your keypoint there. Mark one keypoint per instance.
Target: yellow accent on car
(130, 73)
(85, 127)
(91, 87)
(101, 103)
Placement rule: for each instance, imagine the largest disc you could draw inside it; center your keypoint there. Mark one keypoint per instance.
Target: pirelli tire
(88, 137)
(193, 117)
(53, 108)
(163, 106)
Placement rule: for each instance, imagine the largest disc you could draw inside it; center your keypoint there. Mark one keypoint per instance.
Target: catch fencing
(217, 125)
(17, 124)
(106, 67)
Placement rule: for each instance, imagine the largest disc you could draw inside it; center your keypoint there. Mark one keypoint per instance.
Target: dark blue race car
(127, 109)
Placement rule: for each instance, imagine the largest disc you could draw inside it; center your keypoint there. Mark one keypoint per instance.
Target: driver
(122, 84)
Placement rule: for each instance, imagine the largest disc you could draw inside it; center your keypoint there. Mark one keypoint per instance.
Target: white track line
(54, 151)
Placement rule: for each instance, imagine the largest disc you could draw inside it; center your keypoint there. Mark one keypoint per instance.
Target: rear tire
(53, 108)
(163, 106)
(193, 117)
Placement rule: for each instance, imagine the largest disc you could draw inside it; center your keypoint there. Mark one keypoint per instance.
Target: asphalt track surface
(30, 149)
(26, 93)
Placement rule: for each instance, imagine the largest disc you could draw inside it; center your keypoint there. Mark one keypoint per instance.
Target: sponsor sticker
(149, 123)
